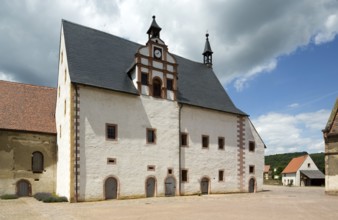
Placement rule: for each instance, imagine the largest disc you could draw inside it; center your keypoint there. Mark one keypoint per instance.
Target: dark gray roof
(102, 60)
(207, 47)
(313, 174)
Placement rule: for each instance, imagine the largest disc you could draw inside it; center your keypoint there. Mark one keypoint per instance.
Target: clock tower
(155, 71)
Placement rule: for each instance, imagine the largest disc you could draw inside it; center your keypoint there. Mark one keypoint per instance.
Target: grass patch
(49, 198)
(9, 196)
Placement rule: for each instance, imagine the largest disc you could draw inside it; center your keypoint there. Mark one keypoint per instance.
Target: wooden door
(170, 186)
(150, 187)
(23, 188)
(111, 188)
(205, 186)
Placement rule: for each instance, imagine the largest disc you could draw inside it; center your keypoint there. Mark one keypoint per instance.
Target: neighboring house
(331, 152)
(302, 171)
(267, 172)
(27, 139)
(137, 121)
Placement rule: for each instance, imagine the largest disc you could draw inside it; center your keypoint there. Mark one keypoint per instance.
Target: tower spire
(207, 54)
(154, 30)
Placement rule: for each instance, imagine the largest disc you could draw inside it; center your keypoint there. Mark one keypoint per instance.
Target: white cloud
(289, 133)
(6, 77)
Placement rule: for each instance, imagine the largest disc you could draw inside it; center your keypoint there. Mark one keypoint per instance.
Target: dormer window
(157, 85)
(144, 79)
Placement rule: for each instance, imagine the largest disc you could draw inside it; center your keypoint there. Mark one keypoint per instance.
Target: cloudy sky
(277, 59)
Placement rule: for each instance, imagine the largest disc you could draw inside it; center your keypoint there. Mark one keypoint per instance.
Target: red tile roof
(27, 107)
(266, 168)
(295, 164)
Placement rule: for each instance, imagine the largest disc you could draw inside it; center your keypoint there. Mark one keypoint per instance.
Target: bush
(9, 196)
(48, 197)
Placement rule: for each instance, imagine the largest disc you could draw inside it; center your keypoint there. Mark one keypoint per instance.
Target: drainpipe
(76, 143)
(180, 149)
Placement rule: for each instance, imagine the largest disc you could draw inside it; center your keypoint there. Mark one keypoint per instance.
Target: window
(111, 160)
(308, 165)
(60, 131)
(151, 168)
(252, 146)
(65, 75)
(157, 87)
(251, 169)
(65, 107)
(170, 84)
(205, 141)
(144, 79)
(37, 162)
(221, 143)
(61, 57)
(170, 171)
(111, 132)
(184, 175)
(151, 136)
(221, 175)
(184, 139)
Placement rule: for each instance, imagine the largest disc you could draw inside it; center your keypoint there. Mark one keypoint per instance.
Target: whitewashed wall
(287, 177)
(207, 162)
(133, 115)
(63, 182)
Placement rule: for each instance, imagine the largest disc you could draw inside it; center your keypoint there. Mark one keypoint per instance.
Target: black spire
(207, 54)
(154, 29)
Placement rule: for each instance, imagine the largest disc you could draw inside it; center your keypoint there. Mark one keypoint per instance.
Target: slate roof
(313, 174)
(27, 107)
(295, 164)
(332, 123)
(102, 60)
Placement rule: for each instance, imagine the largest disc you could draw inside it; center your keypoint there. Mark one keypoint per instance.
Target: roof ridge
(28, 84)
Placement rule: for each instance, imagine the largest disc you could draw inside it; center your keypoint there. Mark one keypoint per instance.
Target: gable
(295, 164)
(102, 60)
(332, 123)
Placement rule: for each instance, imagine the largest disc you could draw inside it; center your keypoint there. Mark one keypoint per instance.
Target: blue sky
(276, 59)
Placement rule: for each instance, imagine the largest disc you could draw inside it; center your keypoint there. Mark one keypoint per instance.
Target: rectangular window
(221, 143)
(144, 79)
(151, 167)
(184, 139)
(111, 160)
(251, 169)
(184, 175)
(65, 108)
(251, 146)
(170, 171)
(65, 75)
(170, 84)
(205, 141)
(151, 136)
(111, 132)
(221, 175)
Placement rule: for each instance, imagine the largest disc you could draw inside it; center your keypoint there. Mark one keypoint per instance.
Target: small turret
(207, 54)
(154, 30)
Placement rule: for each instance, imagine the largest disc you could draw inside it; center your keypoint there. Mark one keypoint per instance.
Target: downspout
(180, 149)
(76, 143)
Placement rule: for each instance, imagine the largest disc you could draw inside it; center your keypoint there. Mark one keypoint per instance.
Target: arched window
(37, 162)
(157, 87)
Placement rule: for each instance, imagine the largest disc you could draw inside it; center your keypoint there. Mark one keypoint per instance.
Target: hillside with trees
(280, 161)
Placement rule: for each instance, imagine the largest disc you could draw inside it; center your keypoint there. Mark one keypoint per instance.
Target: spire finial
(207, 53)
(154, 16)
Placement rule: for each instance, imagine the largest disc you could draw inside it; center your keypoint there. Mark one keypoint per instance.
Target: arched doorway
(205, 185)
(23, 188)
(110, 188)
(157, 87)
(252, 183)
(170, 186)
(150, 187)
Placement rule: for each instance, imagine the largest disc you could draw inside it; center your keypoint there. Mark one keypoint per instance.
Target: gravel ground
(275, 202)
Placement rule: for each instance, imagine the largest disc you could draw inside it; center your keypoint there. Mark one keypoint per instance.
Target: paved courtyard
(275, 202)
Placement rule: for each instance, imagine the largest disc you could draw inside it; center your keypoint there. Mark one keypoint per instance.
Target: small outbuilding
(302, 171)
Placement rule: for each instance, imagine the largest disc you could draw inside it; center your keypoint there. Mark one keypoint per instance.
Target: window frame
(221, 147)
(111, 160)
(151, 168)
(208, 141)
(142, 79)
(251, 169)
(186, 175)
(252, 146)
(172, 84)
(41, 165)
(154, 89)
(154, 135)
(219, 176)
(107, 133)
(186, 139)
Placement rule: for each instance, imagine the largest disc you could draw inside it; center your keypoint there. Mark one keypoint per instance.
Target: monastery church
(136, 121)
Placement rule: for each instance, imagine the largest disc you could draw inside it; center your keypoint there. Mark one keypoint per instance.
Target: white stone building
(302, 171)
(137, 121)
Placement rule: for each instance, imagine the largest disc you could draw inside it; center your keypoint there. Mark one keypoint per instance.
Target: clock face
(158, 53)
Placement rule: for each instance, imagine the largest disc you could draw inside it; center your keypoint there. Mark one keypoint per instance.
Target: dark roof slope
(102, 60)
(27, 107)
(313, 174)
(332, 123)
